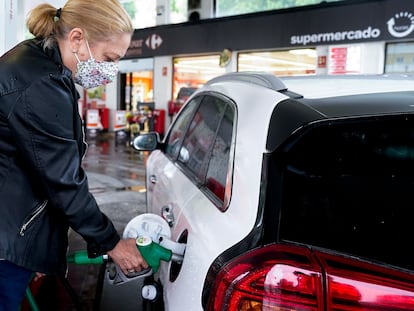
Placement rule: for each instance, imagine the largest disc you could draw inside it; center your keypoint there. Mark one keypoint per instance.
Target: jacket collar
(54, 54)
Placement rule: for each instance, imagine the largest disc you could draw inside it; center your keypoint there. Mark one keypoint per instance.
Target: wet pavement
(116, 175)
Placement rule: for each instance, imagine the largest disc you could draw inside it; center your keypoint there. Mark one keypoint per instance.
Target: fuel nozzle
(81, 258)
(152, 235)
(152, 252)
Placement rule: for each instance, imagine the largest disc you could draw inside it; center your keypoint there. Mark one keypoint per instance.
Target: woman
(43, 188)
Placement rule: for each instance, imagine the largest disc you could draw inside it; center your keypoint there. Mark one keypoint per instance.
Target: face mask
(93, 73)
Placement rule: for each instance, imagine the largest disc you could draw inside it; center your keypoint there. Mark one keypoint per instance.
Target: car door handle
(168, 215)
(153, 179)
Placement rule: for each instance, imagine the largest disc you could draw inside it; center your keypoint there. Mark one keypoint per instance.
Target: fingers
(127, 257)
(131, 265)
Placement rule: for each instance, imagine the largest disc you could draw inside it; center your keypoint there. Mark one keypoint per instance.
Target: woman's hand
(38, 276)
(127, 256)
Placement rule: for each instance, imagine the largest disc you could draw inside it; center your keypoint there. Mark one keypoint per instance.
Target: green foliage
(130, 7)
(174, 6)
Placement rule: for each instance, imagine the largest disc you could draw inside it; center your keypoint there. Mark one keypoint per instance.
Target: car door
(189, 185)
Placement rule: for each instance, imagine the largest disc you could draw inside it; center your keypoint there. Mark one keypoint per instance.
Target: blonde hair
(99, 19)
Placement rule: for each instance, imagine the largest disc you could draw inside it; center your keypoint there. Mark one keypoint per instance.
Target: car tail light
(292, 278)
(272, 278)
(357, 285)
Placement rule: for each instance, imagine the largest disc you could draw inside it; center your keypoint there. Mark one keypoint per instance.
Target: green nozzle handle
(152, 252)
(81, 258)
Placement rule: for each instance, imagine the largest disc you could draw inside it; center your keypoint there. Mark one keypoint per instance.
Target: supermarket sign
(333, 37)
(398, 26)
(323, 24)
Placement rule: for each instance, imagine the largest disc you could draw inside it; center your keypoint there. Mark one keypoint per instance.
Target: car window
(178, 129)
(185, 92)
(200, 142)
(200, 137)
(219, 168)
(348, 187)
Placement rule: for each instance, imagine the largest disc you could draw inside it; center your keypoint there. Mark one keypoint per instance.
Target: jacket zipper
(35, 214)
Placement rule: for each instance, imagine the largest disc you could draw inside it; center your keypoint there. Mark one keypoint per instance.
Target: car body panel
(208, 227)
(266, 120)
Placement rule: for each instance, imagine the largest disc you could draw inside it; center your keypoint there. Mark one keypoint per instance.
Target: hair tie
(57, 15)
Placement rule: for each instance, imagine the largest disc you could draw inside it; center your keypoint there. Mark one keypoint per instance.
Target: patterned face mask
(93, 73)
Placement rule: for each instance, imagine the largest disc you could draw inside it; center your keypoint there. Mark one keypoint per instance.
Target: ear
(76, 39)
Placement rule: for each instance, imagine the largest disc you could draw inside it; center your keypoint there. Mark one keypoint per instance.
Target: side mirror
(146, 142)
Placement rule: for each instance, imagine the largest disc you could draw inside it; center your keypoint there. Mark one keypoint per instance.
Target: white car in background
(287, 200)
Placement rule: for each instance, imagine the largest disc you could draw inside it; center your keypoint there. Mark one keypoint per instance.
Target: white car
(287, 200)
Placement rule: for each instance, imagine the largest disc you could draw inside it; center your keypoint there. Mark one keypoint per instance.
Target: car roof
(337, 96)
(352, 95)
(355, 95)
(316, 98)
(322, 86)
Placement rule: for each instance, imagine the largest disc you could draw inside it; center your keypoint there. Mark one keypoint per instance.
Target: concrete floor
(116, 176)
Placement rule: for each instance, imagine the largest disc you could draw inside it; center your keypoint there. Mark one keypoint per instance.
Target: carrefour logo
(401, 25)
(153, 41)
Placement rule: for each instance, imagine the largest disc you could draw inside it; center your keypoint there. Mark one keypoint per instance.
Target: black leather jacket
(43, 188)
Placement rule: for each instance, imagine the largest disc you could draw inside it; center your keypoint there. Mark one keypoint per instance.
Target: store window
(231, 7)
(178, 11)
(138, 90)
(280, 63)
(137, 101)
(194, 71)
(399, 58)
(142, 12)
